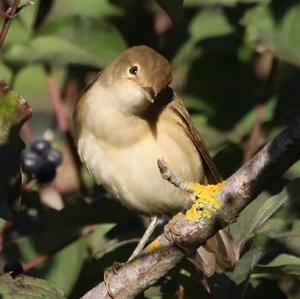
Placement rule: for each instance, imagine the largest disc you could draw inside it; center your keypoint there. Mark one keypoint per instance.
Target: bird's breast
(131, 173)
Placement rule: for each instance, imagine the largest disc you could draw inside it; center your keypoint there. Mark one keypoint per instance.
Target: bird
(127, 118)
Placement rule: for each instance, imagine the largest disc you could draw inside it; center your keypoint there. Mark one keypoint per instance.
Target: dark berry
(30, 162)
(45, 172)
(54, 156)
(14, 267)
(40, 146)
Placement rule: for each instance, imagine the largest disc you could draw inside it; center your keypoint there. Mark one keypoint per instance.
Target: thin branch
(9, 15)
(58, 107)
(240, 189)
(63, 122)
(43, 257)
(266, 70)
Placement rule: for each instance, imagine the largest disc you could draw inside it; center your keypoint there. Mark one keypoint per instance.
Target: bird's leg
(113, 270)
(150, 229)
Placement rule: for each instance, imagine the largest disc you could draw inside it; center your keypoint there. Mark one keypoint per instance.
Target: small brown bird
(126, 120)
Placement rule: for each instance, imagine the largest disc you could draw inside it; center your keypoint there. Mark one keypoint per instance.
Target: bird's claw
(108, 275)
(171, 235)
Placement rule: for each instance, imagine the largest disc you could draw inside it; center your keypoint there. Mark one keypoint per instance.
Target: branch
(56, 100)
(240, 189)
(9, 15)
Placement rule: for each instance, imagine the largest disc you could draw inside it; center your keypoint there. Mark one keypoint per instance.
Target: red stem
(58, 108)
(9, 15)
(43, 257)
(26, 130)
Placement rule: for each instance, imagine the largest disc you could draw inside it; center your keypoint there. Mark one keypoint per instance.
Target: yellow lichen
(206, 202)
(154, 245)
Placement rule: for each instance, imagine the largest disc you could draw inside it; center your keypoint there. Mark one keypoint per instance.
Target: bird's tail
(217, 255)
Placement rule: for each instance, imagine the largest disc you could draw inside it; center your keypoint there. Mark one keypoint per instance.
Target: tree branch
(9, 15)
(240, 189)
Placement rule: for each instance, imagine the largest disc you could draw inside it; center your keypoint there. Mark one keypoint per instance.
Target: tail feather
(217, 255)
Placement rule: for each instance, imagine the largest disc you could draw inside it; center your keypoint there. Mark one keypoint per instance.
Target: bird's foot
(206, 203)
(169, 232)
(108, 275)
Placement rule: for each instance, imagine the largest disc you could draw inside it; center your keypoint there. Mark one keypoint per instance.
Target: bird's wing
(217, 254)
(210, 170)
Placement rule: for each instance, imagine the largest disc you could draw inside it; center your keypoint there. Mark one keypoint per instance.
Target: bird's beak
(152, 94)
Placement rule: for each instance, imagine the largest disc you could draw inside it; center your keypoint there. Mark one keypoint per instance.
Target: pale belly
(131, 173)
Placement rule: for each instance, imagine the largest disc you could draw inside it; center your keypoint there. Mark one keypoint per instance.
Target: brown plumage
(127, 119)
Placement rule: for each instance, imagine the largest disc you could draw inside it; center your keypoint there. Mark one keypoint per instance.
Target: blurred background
(236, 67)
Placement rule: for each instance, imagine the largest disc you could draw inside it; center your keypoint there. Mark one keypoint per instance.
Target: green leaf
(52, 50)
(57, 268)
(14, 111)
(256, 214)
(206, 24)
(96, 37)
(209, 23)
(291, 238)
(284, 263)
(221, 2)
(26, 287)
(273, 227)
(18, 33)
(275, 27)
(86, 8)
(246, 264)
(102, 211)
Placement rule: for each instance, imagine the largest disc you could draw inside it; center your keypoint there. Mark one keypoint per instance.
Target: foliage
(236, 66)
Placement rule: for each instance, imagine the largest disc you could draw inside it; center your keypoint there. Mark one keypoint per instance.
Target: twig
(240, 189)
(58, 108)
(266, 70)
(5, 228)
(168, 175)
(9, 15)
(26, 130)
(63, 122)
(43, 257)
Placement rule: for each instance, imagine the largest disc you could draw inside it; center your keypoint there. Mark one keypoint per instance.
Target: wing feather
(212, 174)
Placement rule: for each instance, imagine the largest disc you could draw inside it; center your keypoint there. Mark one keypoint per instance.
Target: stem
(9, 15)
(43, 257)
(58, 107)
(266, 70)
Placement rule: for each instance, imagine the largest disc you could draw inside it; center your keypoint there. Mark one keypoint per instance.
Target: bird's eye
(133, 70)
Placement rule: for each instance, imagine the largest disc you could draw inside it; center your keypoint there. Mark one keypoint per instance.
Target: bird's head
(136, 77)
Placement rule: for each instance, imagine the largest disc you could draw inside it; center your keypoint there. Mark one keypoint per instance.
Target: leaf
(52, 50)
(291, 239)
(284, 263)
(14, 111)
(102, 211)
(206, 24)
(87, 8)
(17, 33)
(57, 268)
(26, 287)
(209, 23)
(257, 213)
(96, 37)
(273, 227)
(275, 27)
(222, 2)
(246, 264)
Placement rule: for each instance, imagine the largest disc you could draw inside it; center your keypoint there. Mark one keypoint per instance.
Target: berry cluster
(41, 161)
